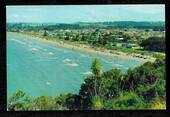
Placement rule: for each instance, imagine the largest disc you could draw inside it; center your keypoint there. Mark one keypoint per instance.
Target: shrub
(126, 100)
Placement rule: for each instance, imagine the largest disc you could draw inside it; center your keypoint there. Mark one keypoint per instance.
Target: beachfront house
(128, 45)
(120, 44)
(116, 44)
(131, 45)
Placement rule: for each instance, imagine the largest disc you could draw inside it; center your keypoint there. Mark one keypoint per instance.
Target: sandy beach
(88, 49)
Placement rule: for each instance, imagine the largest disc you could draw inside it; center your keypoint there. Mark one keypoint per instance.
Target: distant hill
(82, 25)
(126, 24)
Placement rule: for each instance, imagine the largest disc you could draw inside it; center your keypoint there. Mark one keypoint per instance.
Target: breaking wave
(87, 73)
(34, 49)
(51, 53)
(67, 60)
(118, 65)
(72, 64)
(48, 83)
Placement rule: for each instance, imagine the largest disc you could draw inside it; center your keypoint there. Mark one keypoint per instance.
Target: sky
(84, 13)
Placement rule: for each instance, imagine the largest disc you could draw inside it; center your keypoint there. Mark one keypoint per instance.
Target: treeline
(140, 88)
(154, 44)
(83, 25)
(128, 24)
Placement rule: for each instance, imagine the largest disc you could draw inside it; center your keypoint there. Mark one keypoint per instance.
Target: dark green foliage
(126, 37)
(115, 74)
(63, 102)
(111, 83)
(70, 101)
(147, 80)
(87, 91)
(145, 74)
(126, 101)
(154, 44)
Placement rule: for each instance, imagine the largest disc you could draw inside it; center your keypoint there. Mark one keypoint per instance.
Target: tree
(114, 74)
(126, 37)
(113, 79)
(45, 32)
(16, 96)
(14, 103)
(97, 103)
(96, 68)
(154, 44)
(147, 80)
(87, 92)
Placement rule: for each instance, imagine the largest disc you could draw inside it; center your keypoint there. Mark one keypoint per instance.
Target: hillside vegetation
(87, 25)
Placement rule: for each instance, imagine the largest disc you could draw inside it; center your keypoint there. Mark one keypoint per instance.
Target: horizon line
(88, 22)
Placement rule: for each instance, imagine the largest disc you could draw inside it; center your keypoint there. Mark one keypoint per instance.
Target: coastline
(86, 48)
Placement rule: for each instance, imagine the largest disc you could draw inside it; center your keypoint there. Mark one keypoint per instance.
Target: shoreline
(86, 48)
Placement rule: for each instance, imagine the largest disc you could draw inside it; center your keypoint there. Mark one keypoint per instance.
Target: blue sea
(39, 68)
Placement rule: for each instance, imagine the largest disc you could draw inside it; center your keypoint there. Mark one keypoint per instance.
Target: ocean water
(40, 68)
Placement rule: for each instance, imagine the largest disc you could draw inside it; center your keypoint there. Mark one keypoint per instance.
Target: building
(133, 46)
(116, 44)
(128, 45)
